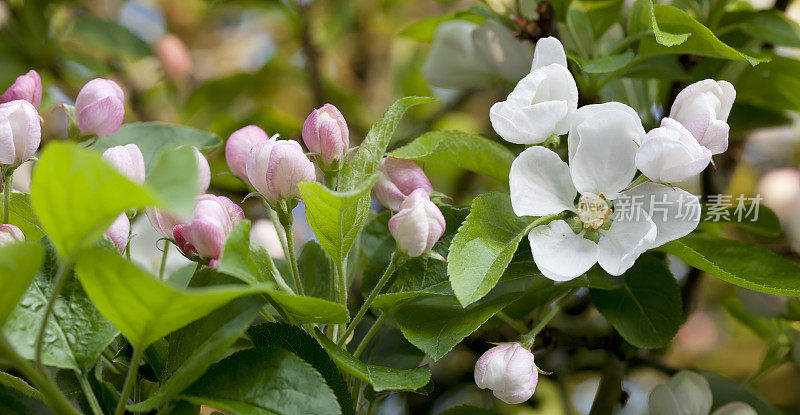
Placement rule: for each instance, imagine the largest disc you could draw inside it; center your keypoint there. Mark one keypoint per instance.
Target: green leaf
(702, 41)
(168, 175)
(772, 26)
(642, 18)
(595, 15)
(315, 269)
(336, 217)
(603, 65)
(20, 385)
(194, 348)
(381, 378)
(20, 213)
(154, 137)
(104, 39)
(141, 307)
(75, 335)
(423, 30)
(18, 265)
(242, 260)
(771, 85)
(297, 341)
(646, 310)
(664, 67)
(726, 391)
(738, 263)
(483, 246)
(460, 149)
(766, 223)
(264, 381)
(310, 309)
(16, 402)
(745, 117)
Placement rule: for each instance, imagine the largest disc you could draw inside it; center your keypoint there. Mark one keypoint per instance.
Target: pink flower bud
(275, 168)
(10, 234)
(27, 87)
(212, 221)
(239, 144)
(128, 160)
(508, 371)
(174, 56)
(163, 221)
(20, 132)
(703, 108)
(100, 107)
(397, 179)
(325, 133)
(203, 171)
(119, 230)
(670, 154)
(418, 224)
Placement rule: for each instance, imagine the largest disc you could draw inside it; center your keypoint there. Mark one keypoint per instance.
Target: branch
(610, 390)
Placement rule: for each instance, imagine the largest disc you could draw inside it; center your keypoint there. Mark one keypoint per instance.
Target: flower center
(593, 211)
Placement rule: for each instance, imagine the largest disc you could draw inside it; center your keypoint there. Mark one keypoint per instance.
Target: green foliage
(766, 224)
(423, 30)
(642, 18)
(772, 26)
(315, 268)
(20, 385)
(20, 213)
(596, 16)
(105, 39)
(18, 265)
(646, 308)
(310, 309)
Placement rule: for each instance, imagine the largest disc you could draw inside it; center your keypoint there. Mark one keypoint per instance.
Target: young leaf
(483, 246)
(18, 265)
(642, 18)
(310, 309)
(597, 15)
(20, 213)
(646, 309)
(104, 39)
(766, 223)
(460, 149)
(315, 268)
(141, 307)
(20, 385)
(605, 64)
(771, 85)
(264, 380)
(738, 263)
(242, 260)
(772, 26)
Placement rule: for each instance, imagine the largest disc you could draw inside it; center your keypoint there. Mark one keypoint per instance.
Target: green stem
(341, 281)
(393, 264)
(7, 186)
(127, 387)
(273, 216)
(267, 316)
(372, 331)
(50, 392)
(290, 256)
(163, 260)
(88, 392)
(516, 325)
(58, 283)
(544, 220)
(531, 335)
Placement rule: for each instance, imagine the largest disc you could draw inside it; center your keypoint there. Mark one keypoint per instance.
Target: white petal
(589, 111)
(507, 54)
(674, 211)
(540, 183)
(716, 137)
(549, 50)
(560, 254)
(604, 160)
(623, 243)
(453, 61)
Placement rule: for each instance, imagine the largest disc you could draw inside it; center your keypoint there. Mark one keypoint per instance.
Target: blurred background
(221, 65)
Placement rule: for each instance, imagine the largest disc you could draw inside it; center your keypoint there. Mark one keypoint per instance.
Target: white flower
(601, 153)
(670, 154)
(508, 371)
(703, 108)
(454, 62)
(542, 103)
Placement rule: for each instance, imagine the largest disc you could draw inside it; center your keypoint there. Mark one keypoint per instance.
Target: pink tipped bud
(212, 221)
(118, 231)
(239, 144)
(174, 56)
(418, 224)
(20, 132)
(203, 171)
(703, 108)
(508, 371)
(163, 221)
(10, 234)
(100, 107)
(27, 87)
(325, 133)
(398, 178)
(128, 160)
(275, 168)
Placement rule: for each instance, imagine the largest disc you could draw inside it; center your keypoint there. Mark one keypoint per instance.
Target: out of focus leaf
(772, 26)
(19, 263)
(595, 15)
(20, 385)
(604, 64)
(726, 391)
(105, 38)
(423, 30)
(745, 117)
(765, 222)
(771, 85)
(642, 18)
(20, 214)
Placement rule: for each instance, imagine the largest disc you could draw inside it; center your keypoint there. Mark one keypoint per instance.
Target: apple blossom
(601, 151)
(542, 103)
(10, 234)
(213, 218)
(203, 171)
(670, 153)
(100, 107)
(174, 56)
(128, 160)
(325, 133)
(20, 132)
(417, 225)
(239, 144)
(509, 371)
(27, 87)
(507, 54)
(397, 178)
(454, 62)
(275, 168)
(119, 231)
(703, 108)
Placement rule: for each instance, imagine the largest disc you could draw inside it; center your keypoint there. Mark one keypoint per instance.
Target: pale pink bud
(10, 234)
(163, 221)
(418, 224)
(508, 371)
(275, 168)
(174, 56)
(203, 171)
(20, 132)
(703, 108)
(239, 145)
(100, 107)
(27, 87)
(671, 154)
(119, 231)
(128, 160)
(397, 179)
(325, 133)
(212, 221)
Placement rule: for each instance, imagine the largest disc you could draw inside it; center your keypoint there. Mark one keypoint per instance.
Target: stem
(51, 394)
(290, 256)
(267, 316)
(371, 333)
(544, 220)
(88, 392)
(163, 260)
(516, 325)
(127, 387)
(273, 216)
(59, 281)
(610, 389)
(531, 335)
(9, 179)
(341, 281)
(393, 264)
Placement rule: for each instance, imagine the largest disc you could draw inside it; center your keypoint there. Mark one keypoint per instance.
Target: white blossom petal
(540, 183)
(623, 243)
(560, 254)
(549, 50)
(589, 112)
(675, 212)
